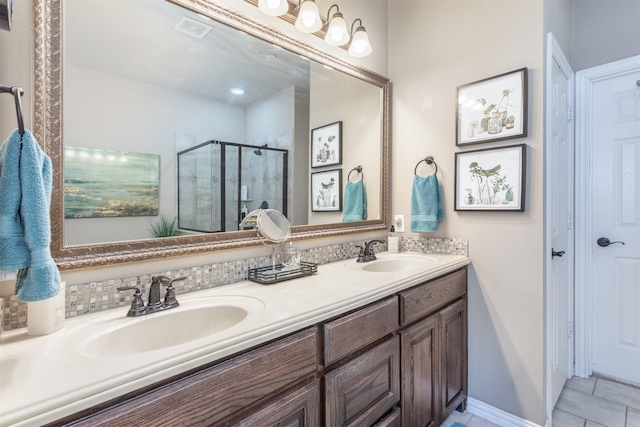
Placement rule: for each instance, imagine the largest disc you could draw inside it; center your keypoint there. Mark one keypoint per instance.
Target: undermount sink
(116, 335)
(389, 263)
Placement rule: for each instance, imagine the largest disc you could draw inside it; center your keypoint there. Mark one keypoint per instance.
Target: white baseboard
(495, 415)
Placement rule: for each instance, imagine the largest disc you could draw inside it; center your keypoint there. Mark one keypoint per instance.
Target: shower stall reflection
(219, 182)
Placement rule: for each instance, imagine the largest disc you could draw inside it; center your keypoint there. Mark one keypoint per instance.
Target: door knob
(556, 253)
(604, 242)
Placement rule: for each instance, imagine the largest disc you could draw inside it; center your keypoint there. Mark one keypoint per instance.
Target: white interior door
(615, 203)
(559, 188)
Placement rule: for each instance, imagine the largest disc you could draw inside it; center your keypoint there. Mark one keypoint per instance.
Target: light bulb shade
(337, 33)
(274, 7)
(308, 17)
(360, 45)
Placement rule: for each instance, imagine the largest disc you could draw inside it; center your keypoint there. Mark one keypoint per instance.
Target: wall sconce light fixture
(308, 20)
(360, 45)
(337, 32)
(274, 7)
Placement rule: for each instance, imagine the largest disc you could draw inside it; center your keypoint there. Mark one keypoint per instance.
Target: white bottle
(46, 316)
(392, 241)
(243, 212)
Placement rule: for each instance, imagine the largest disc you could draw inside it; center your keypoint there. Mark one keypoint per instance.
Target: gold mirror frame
(47, 128)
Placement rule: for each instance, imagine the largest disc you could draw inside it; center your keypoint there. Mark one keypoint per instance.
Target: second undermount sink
(389, 263)
(195, 319)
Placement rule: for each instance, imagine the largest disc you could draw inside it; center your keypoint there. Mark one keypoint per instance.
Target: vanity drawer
(423, 300)
(362, 390)
(358, 329)
(209, 396)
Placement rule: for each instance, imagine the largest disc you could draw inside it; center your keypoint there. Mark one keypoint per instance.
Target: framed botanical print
(326, 145)
(491, 179)
(492, 109)
(326, 191)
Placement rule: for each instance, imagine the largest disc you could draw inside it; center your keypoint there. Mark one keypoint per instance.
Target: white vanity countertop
(43, 379)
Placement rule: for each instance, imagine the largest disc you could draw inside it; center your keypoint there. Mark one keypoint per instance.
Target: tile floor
(467, 419)
(596, 402)
(593, 402)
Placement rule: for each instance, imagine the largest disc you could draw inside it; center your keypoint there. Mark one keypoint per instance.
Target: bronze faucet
(366, 253)
(137, 304)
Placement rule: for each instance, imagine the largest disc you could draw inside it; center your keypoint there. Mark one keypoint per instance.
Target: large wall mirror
(188, 110)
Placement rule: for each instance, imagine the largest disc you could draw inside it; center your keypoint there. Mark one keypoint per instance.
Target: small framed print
(492, 109)
(326, 145)
(491, 179)
(326, 191)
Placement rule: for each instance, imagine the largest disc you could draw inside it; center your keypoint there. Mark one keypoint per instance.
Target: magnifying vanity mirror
(126, 87)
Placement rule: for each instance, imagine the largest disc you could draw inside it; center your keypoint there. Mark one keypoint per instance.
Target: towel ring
(357, 169)
(428, 160)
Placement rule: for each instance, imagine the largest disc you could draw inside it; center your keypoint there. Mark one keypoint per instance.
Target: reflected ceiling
(159, 54)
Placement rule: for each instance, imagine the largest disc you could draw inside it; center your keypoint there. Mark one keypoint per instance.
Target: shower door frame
(223, 166)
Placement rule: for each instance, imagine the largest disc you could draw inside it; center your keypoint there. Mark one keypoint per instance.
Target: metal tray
(269, 276)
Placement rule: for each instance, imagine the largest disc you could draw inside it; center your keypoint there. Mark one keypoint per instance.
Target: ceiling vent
(193, 28)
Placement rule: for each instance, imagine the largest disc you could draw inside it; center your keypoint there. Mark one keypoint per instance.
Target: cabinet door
(296, 409)
(453, 338)
(362, 390)
(420, 361)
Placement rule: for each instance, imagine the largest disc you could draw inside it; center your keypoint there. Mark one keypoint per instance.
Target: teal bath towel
(25, 231)
(426, 206)
(355, 202)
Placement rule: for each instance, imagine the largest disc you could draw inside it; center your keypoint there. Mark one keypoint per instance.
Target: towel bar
(428, 160)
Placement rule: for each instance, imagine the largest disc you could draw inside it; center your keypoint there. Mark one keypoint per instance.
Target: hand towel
(14, 254)
(426, 206)
(355, 202)
(39, 278)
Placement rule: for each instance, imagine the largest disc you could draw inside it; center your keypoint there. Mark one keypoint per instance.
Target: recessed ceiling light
(237, 91)
(270, 57)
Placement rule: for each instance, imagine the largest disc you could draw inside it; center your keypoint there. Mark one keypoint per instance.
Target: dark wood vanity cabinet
(434, 350)
(400, 361)
(218, 395)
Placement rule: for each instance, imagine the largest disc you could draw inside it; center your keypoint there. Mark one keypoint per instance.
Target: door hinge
(569, 112)
(569, 221)
(570, 329)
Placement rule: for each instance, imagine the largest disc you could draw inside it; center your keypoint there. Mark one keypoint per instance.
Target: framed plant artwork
(492, 109)
(326, 145)
(326, 191)
(491, 179)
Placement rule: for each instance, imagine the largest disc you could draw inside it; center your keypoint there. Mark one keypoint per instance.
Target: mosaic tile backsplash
(93, 297)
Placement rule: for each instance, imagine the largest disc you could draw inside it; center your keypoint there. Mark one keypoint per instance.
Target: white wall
(557, 20)
(145, 117)
(273, 121)
(604, 31)
(437, 46)
(16, 67)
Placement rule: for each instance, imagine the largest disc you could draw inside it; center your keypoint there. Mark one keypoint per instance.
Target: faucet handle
(170, 300)
(137, 304)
